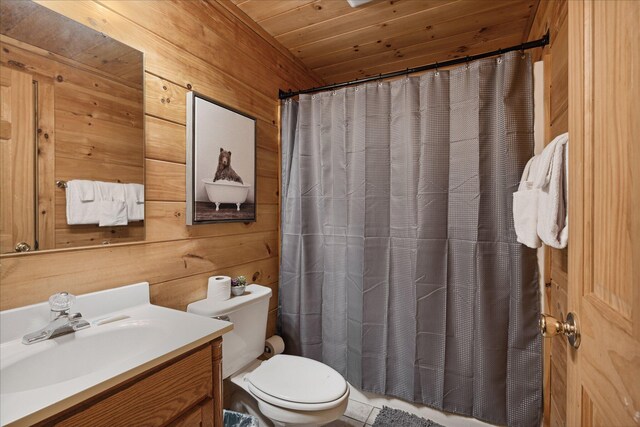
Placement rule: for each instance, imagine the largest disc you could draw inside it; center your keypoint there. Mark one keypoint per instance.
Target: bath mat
(389, 417)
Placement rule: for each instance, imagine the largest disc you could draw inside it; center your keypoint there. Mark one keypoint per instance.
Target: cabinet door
(200, 416)
(604, 212)
(156, 400)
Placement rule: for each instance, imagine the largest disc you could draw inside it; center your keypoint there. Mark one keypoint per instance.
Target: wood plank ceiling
(342, 43)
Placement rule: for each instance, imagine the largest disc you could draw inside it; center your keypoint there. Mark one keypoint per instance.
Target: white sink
(49, 376)
(74, 355)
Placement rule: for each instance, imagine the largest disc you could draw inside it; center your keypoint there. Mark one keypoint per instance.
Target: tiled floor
(358, 414)
(364, 408)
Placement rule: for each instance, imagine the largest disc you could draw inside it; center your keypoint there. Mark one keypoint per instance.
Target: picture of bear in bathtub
(223, 189)
(225, 171)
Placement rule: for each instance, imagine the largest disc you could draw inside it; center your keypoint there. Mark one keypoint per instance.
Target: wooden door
(17, 160)
(604, 212)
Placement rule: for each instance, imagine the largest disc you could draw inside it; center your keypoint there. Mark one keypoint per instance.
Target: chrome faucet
(62, 321)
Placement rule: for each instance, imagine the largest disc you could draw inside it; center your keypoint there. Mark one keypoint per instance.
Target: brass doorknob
(550, 327)
(23, 247)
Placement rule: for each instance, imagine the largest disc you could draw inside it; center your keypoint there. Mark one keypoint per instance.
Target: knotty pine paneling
(552, 15)
(46, 165)
(212, 51)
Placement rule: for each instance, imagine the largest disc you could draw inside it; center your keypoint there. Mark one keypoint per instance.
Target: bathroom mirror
(72, 116)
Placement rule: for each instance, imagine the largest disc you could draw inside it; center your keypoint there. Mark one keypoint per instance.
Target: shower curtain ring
(522, 51)
(437, 73)
(467, 60)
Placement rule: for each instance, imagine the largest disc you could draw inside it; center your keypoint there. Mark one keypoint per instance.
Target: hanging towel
(113, 209)
(84, 188)
(553, 221)
(539, 205)
(134, 198)
(82, 206)
(525, 208)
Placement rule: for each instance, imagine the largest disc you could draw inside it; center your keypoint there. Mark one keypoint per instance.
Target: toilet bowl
(288, 390)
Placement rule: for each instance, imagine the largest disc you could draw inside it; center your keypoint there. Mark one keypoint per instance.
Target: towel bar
(61, 184)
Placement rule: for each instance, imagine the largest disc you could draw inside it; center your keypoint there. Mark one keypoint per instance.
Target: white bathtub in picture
(226, 192)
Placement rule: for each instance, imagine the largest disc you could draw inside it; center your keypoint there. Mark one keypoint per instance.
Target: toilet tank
(248, 313)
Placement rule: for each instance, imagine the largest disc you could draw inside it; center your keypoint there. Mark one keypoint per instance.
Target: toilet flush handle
(225, 318)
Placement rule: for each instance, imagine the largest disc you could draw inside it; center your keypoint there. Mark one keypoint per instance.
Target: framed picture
(221, 163)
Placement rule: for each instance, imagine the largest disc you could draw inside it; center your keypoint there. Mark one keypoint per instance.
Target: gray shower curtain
(399, 265)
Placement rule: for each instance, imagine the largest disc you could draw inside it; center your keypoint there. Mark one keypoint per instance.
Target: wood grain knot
(16, 64)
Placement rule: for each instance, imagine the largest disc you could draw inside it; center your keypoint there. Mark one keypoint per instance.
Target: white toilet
(289, 390)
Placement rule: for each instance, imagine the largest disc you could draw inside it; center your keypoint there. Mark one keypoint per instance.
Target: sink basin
(88, 351)
(128, 335)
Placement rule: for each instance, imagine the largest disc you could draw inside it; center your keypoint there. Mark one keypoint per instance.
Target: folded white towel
(85, 189)
(112, 212)
(113, 209)
(134, 198)
(82, 206)
(539, 205)
(553, 221)
(110, 191)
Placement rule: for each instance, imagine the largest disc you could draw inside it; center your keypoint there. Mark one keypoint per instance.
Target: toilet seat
(298, 383)
(286, 404)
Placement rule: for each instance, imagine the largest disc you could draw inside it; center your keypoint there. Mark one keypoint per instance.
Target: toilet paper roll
(219, 288)
(272, 346)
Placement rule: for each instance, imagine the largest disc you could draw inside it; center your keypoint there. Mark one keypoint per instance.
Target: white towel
(134, 198)
(113, 209)
(110, 191)
(525, 208)
(85, 189)
(553, 221)
(82, 206)
(112, 212)
(539, 205)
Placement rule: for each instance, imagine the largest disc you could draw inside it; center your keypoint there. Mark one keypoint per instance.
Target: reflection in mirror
(71, 112)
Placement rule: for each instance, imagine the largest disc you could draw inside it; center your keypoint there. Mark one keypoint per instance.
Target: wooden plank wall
(97, 121)
(199, 45)
(552, 15)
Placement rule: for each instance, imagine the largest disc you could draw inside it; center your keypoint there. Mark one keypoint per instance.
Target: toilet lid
(298, 379)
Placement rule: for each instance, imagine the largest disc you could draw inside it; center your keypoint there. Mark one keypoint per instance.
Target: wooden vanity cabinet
(184, 391)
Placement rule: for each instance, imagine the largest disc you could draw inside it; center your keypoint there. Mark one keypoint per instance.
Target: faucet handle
(61, 302)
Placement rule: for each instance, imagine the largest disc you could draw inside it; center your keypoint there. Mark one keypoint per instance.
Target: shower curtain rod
(524, 46)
